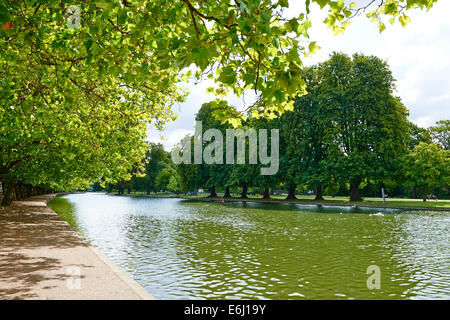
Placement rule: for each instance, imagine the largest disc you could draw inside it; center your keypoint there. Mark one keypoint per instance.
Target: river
(186, 249)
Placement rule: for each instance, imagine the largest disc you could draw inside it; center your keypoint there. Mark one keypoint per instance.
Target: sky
(418, 55)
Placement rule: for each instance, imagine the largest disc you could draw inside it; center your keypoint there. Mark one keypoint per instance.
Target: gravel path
(42, 257)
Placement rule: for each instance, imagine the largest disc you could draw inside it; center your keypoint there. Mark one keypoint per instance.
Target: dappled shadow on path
(29, 227)
(32, 238)
(23, 273)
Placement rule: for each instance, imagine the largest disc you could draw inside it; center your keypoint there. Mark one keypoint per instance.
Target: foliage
(148, 46)
(156, 160)
(440, 134)
(308, 136)
(163, 178)
(370, 122)
(174, 183)
(75, 102)
(427, 166)
(417, 135)
(348, 130)
(214, 174)
(190, 175)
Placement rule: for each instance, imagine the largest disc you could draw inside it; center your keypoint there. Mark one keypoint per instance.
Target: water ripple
(196, 250)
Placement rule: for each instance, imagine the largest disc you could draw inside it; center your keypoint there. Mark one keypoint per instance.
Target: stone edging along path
(42, 257)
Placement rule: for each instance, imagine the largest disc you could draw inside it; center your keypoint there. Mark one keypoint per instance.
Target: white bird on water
(378, 214)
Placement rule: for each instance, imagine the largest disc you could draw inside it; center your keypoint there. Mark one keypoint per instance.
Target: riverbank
(405, 204)
(42, 257)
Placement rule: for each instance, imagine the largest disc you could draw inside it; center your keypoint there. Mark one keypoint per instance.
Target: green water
(181, 249)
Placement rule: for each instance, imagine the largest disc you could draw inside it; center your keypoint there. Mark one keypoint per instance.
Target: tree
(263, 182)
(308, 133)
(191, 175)
(215, 174)
(122, 185)
(64, 124)
(371, 125)
(174, 184)
(288, 162)
(146, 46)
(244, 176)
(427, 166)
(163, 178)
(157, 160)
(76, 98)
(440, 134)
(417, 135)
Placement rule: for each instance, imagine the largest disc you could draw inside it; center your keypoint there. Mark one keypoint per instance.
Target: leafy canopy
(75, 102)
(427, 166)
(149, 45)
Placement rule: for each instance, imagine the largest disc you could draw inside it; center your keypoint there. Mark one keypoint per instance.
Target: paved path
(42, 257)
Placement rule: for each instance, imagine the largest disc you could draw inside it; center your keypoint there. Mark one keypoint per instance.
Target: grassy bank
(339, 200)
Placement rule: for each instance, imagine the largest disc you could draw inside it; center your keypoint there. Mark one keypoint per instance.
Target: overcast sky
(418, 55)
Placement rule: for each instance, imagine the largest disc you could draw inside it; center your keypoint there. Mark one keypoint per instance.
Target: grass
(64, 210)
(338, 200)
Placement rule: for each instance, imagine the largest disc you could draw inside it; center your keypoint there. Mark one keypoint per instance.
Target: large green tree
(191, 175)
(163, 178)
(440, 133)
(174, 183)
(371, 124)
(426, 167)
(264, 182)
(308, 137)
(157, 159)
(216, 174)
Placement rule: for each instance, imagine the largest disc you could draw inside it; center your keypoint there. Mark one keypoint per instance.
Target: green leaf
(227, 76)
(313, 47)
(103, 4)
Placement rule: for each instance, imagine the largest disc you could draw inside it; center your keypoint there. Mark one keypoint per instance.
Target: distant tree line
(349, 135)
(159, 174)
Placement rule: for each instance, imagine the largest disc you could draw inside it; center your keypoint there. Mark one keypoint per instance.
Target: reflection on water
(180, 249)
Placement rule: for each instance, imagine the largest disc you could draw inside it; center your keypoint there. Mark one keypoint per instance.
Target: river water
(184, 249)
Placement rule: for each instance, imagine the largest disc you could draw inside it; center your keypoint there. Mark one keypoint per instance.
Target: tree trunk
(19, 191)
(227, 193)
(266, 193)
(291, 193)
(354, 191)
(10, 194)
(147, 189)
(424, 194)
(414, 193)
(213, 193)
(27, 190)
(319, 192)
(244, 192)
